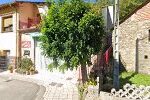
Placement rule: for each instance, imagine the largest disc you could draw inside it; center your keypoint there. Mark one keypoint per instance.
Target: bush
(10, 67)
(25, 64)
(32, 68)
(82, 90)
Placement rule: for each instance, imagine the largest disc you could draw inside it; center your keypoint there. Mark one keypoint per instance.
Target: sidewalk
(58, 86)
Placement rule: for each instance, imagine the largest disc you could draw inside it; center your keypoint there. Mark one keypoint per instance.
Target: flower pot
(11, 71)
(31, 72)
(27, 72)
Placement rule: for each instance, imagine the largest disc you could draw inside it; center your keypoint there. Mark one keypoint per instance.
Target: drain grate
(69, 78)
(53, 84)
(59, 85)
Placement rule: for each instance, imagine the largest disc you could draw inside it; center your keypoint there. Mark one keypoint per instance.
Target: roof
(134, 11)
(5, 2)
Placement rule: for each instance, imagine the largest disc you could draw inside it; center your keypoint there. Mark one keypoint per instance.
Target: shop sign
(26, 44)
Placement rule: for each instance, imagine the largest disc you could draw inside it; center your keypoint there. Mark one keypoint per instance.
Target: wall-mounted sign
(26, 53)
(26, 44)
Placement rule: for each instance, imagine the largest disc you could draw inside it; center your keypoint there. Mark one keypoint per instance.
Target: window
(145, 57)
(7, 24)
(26, 53)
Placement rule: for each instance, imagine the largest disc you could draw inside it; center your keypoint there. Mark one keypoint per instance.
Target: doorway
(4, 59)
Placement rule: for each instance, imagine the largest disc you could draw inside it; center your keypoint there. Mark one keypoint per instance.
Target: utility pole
(116, 45)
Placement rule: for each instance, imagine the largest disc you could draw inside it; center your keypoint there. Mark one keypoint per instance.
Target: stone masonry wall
(143, 48)
(127, 43)
(133, 52)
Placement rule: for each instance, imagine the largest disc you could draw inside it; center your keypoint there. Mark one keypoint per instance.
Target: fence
(132, 92)
(129, 92)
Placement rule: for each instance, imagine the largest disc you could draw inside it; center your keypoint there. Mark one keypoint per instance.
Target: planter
(31, 72)
(11, 71)
(10, 68)
(27, 72)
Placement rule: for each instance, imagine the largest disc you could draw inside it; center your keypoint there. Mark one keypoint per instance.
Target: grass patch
(134, 78)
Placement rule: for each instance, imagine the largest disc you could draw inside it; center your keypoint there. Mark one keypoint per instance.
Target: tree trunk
(84, 73)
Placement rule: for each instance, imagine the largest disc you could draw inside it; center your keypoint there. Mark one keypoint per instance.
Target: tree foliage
(71, 32)
(127, 6)
(100, 4)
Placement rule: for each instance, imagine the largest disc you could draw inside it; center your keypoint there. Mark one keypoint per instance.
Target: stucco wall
(28, 37)
(27, 10)
(132, 52)
(8, 39)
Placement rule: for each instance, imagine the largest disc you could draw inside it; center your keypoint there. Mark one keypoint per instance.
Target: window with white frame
(7, 23)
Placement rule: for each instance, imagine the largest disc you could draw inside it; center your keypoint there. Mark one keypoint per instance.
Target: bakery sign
(26, 44)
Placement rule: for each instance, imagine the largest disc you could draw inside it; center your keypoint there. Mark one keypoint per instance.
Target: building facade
(19, 31)
(134, 40)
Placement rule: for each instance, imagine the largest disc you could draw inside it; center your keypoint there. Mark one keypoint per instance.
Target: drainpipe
(17, 37)
(137, 56)
(34, 39)
(116, 45)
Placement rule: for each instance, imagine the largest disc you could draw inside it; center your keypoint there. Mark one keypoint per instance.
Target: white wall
(8, 39)
(43, 9)
(28, 37)
(108, 17)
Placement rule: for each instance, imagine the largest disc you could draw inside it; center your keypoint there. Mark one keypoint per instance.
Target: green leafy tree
(127, 6)
(100, 4)
(72, 32)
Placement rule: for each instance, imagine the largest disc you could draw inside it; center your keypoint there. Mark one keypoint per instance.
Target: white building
(19, 31)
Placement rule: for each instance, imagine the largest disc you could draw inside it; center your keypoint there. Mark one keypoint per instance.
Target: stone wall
(134, 45)
(127, 43)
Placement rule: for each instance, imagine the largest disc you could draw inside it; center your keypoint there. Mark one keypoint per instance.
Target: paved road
(11, 89)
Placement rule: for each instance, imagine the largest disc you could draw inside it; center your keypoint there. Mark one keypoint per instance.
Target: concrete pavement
(12, 89)
(58, 87)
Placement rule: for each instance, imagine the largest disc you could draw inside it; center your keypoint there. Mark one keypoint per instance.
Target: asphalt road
(19, 90)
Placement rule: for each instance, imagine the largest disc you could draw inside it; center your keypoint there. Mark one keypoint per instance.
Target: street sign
(26, 44)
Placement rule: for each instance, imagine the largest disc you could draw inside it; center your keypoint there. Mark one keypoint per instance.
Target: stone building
(134, 39)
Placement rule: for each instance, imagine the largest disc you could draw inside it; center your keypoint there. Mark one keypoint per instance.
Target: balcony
(31, 23)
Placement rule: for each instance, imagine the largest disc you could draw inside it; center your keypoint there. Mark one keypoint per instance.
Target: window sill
(7, 32)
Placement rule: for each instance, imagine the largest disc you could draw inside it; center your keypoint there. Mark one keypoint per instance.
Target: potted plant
(10, 68)
(32, 69)
(27, 72)
(24, 65)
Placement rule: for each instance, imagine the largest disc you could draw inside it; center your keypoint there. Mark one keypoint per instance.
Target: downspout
(34, 39)
(17, 44)
(137, 56)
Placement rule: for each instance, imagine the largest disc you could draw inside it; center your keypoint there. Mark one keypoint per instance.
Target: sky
(11, 1)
